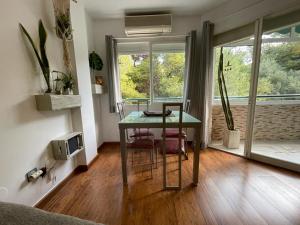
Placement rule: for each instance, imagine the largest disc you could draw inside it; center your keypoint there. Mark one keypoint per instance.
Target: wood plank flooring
(231, 190)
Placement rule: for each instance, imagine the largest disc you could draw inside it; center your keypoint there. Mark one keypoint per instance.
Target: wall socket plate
(30, 173)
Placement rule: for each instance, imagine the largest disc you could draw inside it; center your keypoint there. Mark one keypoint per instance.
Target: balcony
(276, 131)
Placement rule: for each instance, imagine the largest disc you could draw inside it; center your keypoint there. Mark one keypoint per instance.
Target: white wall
(80, 44)
(96, 98)
(115, 27)
(25, 133)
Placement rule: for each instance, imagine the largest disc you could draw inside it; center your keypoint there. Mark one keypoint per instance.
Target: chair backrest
(121, 111)
(142, 101)
(165, 125)
(187, 106)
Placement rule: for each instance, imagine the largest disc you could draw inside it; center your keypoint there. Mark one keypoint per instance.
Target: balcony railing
(156, 99)
(264, 97)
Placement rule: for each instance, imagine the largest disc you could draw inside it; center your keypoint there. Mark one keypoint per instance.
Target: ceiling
(118, 8)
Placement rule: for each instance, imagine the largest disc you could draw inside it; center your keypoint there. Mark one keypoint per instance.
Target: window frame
(276, 99)
(152, 41)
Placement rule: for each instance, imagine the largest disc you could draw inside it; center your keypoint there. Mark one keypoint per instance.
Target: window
(151, 70)
(279, 73)
(134, 69)
(168, 71)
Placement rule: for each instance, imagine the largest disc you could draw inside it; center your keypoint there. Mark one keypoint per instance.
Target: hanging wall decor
(63, 28)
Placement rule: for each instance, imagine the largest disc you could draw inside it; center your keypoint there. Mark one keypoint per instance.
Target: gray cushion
(13, 214)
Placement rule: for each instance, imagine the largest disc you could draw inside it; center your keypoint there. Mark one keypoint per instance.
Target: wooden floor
(231, 191)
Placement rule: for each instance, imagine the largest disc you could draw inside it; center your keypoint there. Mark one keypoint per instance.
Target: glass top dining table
(137, 119)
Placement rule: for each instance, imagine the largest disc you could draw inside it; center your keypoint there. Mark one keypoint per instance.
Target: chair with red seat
(136, 141)
(139, 132)
(142, 131)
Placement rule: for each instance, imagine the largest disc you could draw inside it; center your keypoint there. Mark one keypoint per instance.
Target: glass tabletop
(139, 119)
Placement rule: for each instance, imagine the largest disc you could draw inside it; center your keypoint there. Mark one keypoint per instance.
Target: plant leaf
(43, 39)
(33, 46)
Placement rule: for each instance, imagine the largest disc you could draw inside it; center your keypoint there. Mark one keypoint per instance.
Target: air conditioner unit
(139, 25)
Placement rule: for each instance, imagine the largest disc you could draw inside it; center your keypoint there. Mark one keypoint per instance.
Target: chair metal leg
(156, 157)
(132, 155)
(186, 149)
(151, 163)
(166, 186)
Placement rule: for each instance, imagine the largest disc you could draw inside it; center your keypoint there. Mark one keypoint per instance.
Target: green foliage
(168, 70)
(279, 71)
(135, 82)
(67, 80)
(42, 56)
(95, 61)
(286, 55)
(168, 74)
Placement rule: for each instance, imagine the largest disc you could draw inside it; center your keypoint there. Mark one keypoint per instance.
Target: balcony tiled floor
(287, 150)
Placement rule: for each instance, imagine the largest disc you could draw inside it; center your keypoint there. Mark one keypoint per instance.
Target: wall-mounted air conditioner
(139, 25)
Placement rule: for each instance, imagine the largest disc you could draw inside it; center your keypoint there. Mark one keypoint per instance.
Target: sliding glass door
(262, 75)
(237, 63)
(276, 128)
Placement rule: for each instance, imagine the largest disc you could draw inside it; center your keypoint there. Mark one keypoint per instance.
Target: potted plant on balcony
(231, 138)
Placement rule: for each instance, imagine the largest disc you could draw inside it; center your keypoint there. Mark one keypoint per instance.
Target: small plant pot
(231, 138)
(68, 91)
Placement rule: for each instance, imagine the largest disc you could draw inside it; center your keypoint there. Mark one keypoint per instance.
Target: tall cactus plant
(224, 95)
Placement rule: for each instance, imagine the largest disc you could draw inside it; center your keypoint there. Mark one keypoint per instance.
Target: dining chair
(173, 132)
(143, 131)
(139, 132)
(173, 145)
(138, 143)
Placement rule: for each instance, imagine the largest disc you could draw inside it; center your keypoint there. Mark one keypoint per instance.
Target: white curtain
(112, 73)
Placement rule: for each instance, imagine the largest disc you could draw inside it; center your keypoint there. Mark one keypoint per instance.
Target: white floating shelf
(57, 102)
(97, 89)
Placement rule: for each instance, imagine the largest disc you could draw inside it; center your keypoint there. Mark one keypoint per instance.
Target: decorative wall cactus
(224, 95)
(42, 56)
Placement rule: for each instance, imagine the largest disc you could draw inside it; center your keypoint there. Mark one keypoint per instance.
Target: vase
(68, 91)
(231, 138)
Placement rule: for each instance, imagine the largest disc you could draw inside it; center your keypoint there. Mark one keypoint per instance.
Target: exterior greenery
(279, 69)
(168, 75)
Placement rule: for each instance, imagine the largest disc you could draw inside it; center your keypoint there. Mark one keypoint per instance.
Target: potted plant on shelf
(96, 64)
(67, 82)
(231, 138)
(41, 56)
